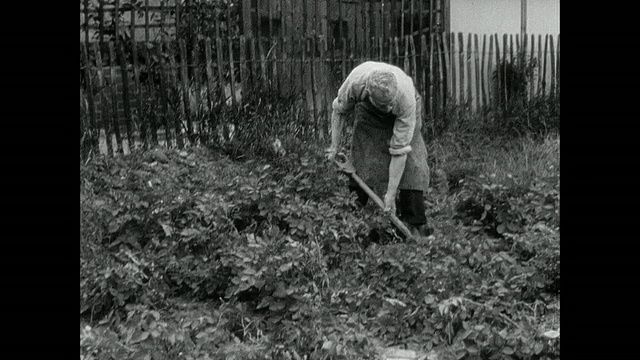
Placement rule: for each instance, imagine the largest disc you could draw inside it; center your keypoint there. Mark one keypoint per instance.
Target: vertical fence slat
(406, 63)
(104, 119)
(86, 22)
(174, 84)
(303, 84)
(518, 59)
(186, 90)
(544, 67)
(402, 19)
(210, 84)
(263, 63)
(232, 70)
(164, 99)
(94, 130)
(114, 97)
(126, 99)
(101, 23)
(255, 80)
(440, 65)
(219, 65)
(423, 72)
(498, 75)
(276, 72)
(243, 63)
(540, 66)
(312, 84)
(454, 80)
(483, 81)
(414, 68)
(396, 43)
(503, 75)
(511, 49)
(447, 68)
(461, 73)
(558, 67)
(470, 99)
(136, 79)
(490, 92)
(532, 77)
(476, 59)
(525, 68)
(198, 85)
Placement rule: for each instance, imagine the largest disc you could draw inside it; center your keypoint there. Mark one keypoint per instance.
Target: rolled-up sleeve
(403, 129)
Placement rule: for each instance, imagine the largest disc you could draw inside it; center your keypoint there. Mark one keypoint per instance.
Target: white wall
(503, 16)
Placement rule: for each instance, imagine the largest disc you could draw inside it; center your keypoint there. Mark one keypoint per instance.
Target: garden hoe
(347, 168)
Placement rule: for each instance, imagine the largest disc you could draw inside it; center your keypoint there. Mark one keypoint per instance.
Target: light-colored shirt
(353, 91)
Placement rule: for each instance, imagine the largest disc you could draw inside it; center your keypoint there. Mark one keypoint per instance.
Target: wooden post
(541, 66)
(396, 42)
(504, 73)
(94, 131)
(232, 77)
(478, 96)
(86, 24)
(490, 93)
(210, 87)
(448, 69)
(114, 95)
(558, 67)
(461, 73)
(146, 20)
(454, 82)
(101, 25)
(105, 121)
(243, 62)
(136, 79)
(442, 92)
(511, 56)
(173, 69)
(426, 80)
(219, 65)
(197, 123)
(532, 79)
(126, 99)
(255, 81)
(186, 90)
(402, 18)
(483, 81)
(470, 99)
(414, 66)
(498, 95)
(313, 80)
(407, 64)
(431, 78)
(544, 68)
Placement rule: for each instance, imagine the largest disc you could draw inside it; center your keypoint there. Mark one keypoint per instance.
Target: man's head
(382, 87)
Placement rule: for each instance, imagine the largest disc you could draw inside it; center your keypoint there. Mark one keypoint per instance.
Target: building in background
(504, 16)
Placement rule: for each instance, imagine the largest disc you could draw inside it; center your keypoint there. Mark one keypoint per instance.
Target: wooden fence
(157, 94)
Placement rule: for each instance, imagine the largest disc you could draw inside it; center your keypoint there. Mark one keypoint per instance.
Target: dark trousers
(410, 205)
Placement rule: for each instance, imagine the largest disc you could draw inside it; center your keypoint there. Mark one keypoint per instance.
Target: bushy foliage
(190, 253)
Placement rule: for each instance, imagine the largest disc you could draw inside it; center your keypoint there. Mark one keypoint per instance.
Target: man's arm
(337, 124)
(399, 147)
(343, 104)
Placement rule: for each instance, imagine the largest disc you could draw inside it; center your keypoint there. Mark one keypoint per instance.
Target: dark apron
(372, 132)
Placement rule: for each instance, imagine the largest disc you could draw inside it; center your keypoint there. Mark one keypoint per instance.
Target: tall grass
(504, 159)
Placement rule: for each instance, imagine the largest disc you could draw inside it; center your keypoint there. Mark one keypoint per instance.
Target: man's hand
(331, 153)
(390, 202)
